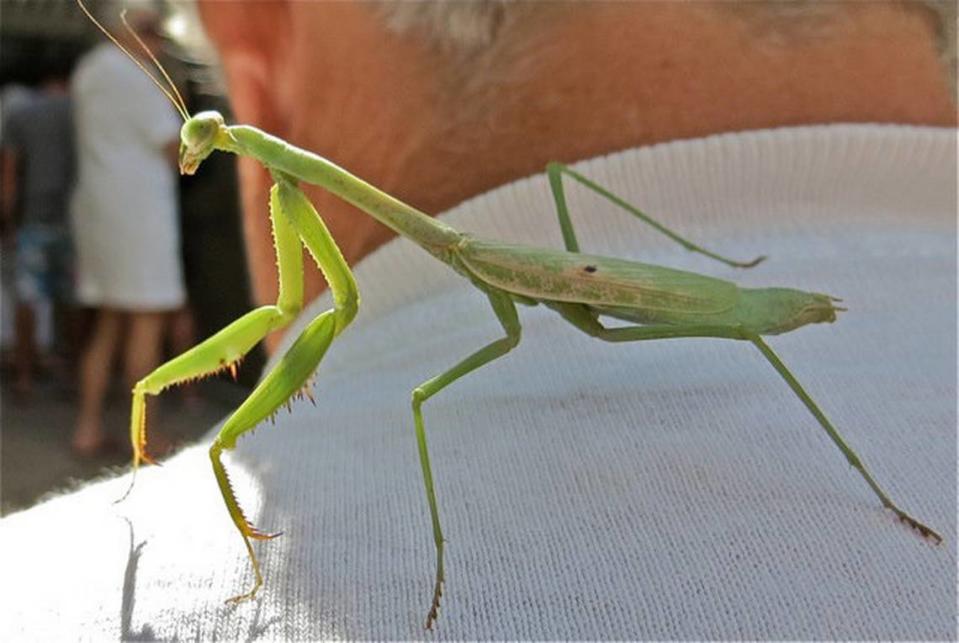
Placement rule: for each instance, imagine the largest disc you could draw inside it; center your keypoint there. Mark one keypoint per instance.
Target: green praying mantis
(657, 302)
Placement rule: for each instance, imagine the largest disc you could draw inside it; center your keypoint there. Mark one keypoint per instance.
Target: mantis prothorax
(658, 302)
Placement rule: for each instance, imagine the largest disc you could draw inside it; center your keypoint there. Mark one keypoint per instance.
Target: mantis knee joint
(144, 387)
(419, 396)
(345, 311)
(289, 311)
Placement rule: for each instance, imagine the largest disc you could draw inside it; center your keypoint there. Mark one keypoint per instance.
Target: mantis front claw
(138, 436)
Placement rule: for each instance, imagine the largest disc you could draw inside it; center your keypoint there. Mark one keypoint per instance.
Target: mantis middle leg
(584, 319)
(505, 311)
(555, 172)
(299, 362)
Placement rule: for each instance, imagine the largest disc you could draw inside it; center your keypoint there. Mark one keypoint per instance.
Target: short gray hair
(462, 27)
(449, 25)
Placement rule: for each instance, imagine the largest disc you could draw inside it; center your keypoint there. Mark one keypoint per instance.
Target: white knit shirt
(655, 490)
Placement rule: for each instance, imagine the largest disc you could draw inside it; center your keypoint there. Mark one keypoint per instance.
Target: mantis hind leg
(224, 350)
(295, 367)
(506, 313)
(851, 456)
(555, 172)
(583, 318)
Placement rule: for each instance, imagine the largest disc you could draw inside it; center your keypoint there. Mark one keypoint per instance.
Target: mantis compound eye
(200, 130)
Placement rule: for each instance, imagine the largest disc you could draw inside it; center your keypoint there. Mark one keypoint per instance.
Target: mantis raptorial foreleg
(582, 318)
(555, 172)
(505, 311)
(223, 350)
(300, 361)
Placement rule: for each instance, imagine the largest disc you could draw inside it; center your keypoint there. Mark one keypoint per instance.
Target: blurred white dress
(124, 209)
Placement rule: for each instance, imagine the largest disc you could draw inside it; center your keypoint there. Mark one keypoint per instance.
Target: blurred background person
(37, 174)
(124, 217)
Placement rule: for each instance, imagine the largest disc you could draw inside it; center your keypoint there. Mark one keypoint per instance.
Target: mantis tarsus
(659, 302)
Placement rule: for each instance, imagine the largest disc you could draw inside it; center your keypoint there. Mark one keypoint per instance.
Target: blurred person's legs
(143, 348)
(96, 368)
(41, 253)
(182, 338)
(141, 354)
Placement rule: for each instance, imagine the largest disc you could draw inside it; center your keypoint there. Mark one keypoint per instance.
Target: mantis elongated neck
(278, 155)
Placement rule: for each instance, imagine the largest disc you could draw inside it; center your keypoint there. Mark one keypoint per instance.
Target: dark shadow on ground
(145, 633)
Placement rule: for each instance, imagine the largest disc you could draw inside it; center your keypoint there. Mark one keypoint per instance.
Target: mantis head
(199, 133)
(198, 138)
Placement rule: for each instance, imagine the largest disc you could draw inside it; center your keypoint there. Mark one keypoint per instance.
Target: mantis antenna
(181, 107)
(178, 102)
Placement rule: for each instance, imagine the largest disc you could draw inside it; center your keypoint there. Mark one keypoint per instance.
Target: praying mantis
(657, 303)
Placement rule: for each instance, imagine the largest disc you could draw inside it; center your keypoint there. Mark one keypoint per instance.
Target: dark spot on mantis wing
(589, 269)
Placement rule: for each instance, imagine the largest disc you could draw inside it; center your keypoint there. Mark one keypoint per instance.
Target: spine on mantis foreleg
(295, 367)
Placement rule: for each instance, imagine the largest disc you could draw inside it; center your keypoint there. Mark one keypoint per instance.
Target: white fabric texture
(656, 490)
(124, 209)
